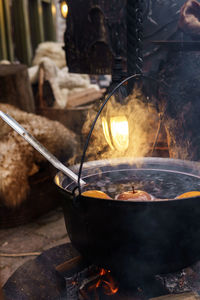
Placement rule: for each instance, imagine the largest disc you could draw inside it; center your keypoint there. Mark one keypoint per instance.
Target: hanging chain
(134, 36)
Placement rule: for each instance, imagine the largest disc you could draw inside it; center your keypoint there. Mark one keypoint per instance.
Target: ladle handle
(39, 147)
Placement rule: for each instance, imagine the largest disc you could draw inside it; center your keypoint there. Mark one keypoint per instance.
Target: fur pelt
(18, 158)
(50, 57)
(52, 50)
(62, 82)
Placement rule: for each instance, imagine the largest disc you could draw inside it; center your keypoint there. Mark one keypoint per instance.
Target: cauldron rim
(178, 163)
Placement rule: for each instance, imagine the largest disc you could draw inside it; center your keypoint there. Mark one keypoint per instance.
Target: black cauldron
(129, 237)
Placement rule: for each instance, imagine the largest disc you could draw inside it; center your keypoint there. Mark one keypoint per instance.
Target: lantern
(115, 119)
(63, 9)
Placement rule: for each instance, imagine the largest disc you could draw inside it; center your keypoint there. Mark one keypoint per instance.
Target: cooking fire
(104, 282)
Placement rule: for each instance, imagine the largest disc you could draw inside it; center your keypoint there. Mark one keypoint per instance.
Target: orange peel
(96, 194)
(189, 194)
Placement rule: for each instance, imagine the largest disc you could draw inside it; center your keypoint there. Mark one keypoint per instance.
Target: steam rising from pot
(138, 138)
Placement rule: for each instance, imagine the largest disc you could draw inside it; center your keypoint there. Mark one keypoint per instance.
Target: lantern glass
(64, 9)
(120, 132)
(116, 132)
(107, 132)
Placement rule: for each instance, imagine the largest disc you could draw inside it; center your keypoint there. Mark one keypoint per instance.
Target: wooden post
(49, 17)
(3, 50)
(8, 30)
(15, 87)
(23, 48)
(36, 22)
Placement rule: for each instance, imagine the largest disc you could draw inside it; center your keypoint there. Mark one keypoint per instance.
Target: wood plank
(3, 49)
(8, 30)
(82, 93)
(23, 48)
(49, 19)
(84, 97)
(36, 22)
(69, 264)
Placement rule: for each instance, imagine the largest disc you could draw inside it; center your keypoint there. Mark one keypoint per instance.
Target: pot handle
(134, 77)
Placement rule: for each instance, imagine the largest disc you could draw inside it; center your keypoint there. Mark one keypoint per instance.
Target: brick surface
(47, 232)
(57, 243)
(18, 242)
(54, 230)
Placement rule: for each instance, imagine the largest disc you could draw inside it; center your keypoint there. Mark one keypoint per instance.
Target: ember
(104, 284)
(108, 283)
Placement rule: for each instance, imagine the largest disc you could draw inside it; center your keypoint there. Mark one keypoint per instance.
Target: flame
(104, 282)
(102, 272)
(107, 282)
(118, 135)
(109, 287)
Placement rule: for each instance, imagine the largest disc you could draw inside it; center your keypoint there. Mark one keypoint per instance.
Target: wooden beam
(23, 48)
(36, 22)
(3, 49)
(8, 30)
(49, 17)
(84, 97)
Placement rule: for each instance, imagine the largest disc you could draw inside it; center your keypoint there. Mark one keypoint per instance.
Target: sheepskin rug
(18, 160)
(50, 57)
(53, 51)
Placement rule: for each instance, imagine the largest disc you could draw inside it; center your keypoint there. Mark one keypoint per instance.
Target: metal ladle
(39, 147)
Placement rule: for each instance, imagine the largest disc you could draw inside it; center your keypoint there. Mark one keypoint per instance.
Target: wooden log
(15, 87)
(69, 264)
(84, 97)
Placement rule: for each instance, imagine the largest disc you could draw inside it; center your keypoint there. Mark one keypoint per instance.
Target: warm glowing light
(120, 132)
(64, 9)
(106, 132)
(53, 9)
(57, 181)
(108, 283)
(110, 288)
(104, 283)
(102, 272)
(118, 135)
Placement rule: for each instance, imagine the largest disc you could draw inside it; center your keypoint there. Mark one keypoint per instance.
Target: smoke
(179, 144)
(181, 102)
(143, 122)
